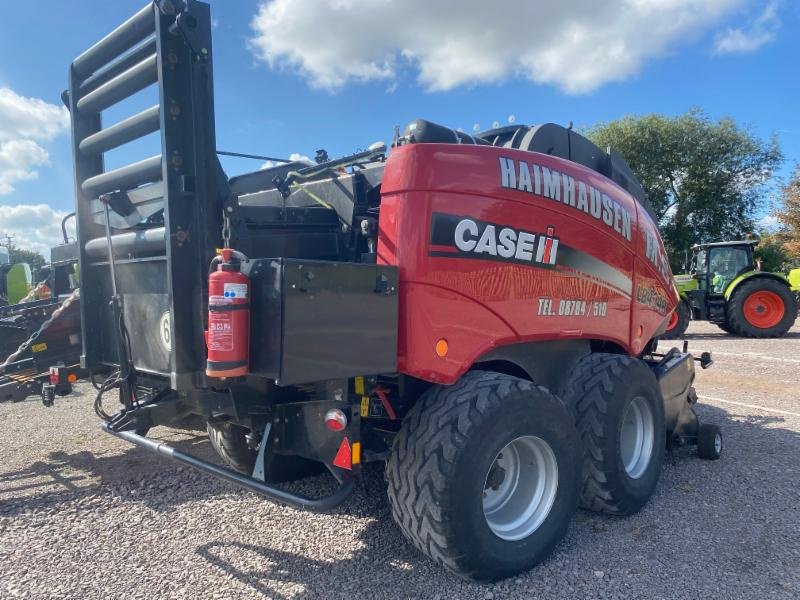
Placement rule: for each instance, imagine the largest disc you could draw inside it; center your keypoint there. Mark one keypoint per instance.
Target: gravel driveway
(85, 515)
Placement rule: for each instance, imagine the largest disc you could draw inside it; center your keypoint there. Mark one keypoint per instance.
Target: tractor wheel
(761, 308)
(678, 322)
(725, 327)
(483, 476)
(229, 441)
(620, 417)
(709, 442)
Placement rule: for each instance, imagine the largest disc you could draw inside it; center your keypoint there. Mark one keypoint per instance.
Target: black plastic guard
(675, 374)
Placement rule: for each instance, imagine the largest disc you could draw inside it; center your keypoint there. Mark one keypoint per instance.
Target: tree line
(706, 181)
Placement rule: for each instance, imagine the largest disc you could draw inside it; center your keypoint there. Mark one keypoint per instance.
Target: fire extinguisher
(228, 335)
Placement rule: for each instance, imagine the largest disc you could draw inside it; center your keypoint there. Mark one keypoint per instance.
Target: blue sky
(341, 80)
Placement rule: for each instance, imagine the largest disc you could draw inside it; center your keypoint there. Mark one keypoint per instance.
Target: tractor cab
(715, 266)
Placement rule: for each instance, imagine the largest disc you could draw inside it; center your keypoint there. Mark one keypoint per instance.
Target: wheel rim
(763, 309)
(637, 437)
(673, 320)
(520, 488)
(717, 443)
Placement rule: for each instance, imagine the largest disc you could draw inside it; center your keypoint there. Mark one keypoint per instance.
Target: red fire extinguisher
(228, 335)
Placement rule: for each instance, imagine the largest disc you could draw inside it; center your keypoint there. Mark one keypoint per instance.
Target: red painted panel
(497, 246)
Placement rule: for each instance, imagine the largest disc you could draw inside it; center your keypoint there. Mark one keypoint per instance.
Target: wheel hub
(763, 309)
(520, 488)
(637, 437)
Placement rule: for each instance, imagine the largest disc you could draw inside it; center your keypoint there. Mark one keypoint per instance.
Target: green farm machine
(725, 286)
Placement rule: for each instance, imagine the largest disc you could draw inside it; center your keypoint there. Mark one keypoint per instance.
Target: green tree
(772, 253)
(33, 258)
(705, 179)
(789, 217)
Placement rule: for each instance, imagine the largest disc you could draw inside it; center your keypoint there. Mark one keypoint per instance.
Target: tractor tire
(725, 327)
(483, 476)
(679, 321)
(761, 308)
(619, 414)
(229, 441)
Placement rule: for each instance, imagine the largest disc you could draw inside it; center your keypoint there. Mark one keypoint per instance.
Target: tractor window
(725, 265)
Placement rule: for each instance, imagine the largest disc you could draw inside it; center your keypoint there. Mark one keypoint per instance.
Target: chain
(226, 230)
(75, 295)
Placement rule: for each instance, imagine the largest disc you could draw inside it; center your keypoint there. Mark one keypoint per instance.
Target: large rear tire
(761, 308)
(229, 441)
(483, 475)
(678, 323)
(620, 417)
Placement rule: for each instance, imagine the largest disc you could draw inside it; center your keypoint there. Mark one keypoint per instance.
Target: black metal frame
(323, 504)
(167, 43)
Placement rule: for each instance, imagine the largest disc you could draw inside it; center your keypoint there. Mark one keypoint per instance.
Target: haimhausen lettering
(560, 187)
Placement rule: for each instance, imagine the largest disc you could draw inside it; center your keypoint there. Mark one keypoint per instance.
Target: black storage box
(317, 320)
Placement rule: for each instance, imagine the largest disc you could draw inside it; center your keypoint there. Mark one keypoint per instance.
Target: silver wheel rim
(637, 437)
(718, 443)
(520, 488)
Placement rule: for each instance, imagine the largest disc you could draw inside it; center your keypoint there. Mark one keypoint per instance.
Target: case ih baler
(481, 313)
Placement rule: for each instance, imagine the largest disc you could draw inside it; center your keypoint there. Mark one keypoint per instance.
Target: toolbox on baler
(325, 318)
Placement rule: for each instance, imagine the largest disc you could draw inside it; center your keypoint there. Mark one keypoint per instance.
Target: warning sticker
(220, 332)
(235, 290)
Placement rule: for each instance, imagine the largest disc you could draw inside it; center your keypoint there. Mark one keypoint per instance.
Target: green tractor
(726, 288)
(15, 280)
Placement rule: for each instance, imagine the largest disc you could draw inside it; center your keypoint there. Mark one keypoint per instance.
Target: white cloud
(768, 222)
(23, 123)
(34, 227)
(742, 40)
(576, 45)
(293, 157)
(17, 159)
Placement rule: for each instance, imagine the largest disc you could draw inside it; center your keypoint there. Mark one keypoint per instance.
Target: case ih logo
(471, 238)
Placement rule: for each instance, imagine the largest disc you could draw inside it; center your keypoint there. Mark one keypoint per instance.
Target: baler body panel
(575, 277)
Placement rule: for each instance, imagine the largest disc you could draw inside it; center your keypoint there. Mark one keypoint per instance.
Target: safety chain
(226, 230)
(56, 314)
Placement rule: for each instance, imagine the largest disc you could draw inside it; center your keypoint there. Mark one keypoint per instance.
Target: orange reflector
(342, 458)
(72, 378)
(441, 348)
(639, 331)
(356, 453)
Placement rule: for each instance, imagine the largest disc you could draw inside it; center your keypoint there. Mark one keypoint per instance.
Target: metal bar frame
(194, 187)
(272, 492)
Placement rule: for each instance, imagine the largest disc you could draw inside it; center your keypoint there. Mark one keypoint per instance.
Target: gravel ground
(85, 515)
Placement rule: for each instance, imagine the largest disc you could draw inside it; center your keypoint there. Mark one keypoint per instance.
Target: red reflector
(342, 458)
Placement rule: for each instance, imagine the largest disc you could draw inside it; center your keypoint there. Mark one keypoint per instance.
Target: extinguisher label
(220, 332)
(235, 290)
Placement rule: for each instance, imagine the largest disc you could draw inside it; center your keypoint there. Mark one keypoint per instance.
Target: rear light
(335, 419)
(54, 375)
